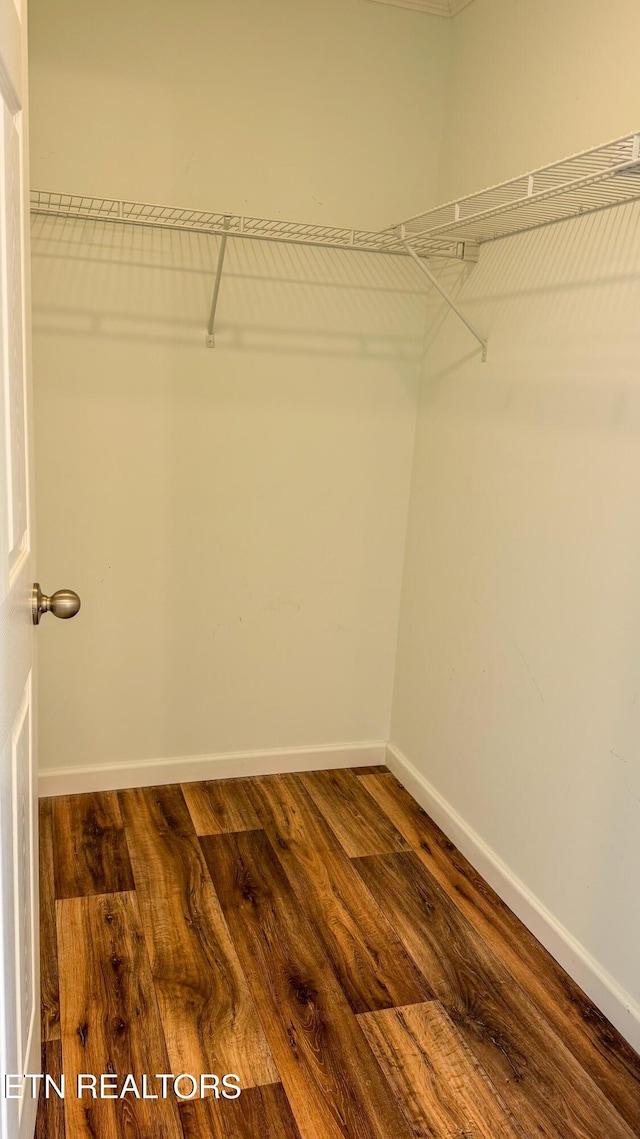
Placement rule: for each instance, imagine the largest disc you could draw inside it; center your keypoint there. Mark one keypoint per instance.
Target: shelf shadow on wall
(114, 325)
(131, 283)
(401, 290)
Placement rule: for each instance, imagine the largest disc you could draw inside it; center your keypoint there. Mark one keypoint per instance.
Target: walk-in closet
(320, 806)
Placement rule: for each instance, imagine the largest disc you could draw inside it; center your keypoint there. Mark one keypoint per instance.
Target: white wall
(518, 669)
(233, 519)
(313, 110)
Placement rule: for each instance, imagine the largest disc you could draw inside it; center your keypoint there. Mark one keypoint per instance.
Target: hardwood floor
(371, 964)
(91, 854)
(109, 1015)
(49, 989)
(443, 1087)
(320, 937)
(209, 1020)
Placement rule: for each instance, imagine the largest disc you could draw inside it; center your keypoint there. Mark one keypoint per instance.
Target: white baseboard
(190, 768)
(616, 1004)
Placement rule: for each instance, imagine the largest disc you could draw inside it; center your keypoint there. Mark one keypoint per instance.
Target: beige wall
(532, 81)
(312, 110)
(232, 518)
(518, 666)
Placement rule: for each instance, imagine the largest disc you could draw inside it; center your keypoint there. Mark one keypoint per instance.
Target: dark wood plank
(220, 806)
(209, 1018)
(356, 820)
(601, 1050)
(330, 1076)
(50, 1117)
(374, 769)
(49, 994)
(109, 1017)
(438, 1082)
(259, 1113)
(368, 959)
(544, 1086)
(89, 846)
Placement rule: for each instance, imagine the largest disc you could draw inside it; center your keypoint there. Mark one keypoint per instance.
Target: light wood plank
(368, 959)
(259, 1113)
(441, 1087)
(595, 1043)
(220, 806)
(330, 1076)
(49, 991)
(545, 1087)
(109, 1017)
(356, 820)
(209, 1018)
(90, 850)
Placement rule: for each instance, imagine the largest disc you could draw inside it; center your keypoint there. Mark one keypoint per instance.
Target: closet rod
(422, 265)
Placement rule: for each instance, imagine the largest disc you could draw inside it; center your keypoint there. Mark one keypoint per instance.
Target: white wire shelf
(592, 180)
(80, 206)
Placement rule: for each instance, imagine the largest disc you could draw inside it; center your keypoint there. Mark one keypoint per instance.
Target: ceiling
(434, 7)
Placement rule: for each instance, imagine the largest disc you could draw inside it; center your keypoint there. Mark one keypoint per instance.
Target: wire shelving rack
(80, 206)
(592, 180)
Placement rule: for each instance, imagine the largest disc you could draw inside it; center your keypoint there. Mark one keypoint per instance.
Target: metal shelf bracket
(210, 338)
(424, 268)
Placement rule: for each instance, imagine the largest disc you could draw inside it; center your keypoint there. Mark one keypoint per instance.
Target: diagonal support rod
(211, 340)
(421, 263)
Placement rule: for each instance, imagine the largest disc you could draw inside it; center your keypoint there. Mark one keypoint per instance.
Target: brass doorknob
(63, 603)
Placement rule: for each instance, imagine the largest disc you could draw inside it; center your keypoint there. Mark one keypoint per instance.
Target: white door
(19, 980)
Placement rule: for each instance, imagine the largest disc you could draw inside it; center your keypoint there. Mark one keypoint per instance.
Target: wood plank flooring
(49, 990)
(319, 936)
(258, 1113)
(109, 1015)
(585, 1031)
(209, 1020)
(91, 854)
(442, 1087)
(371, 964)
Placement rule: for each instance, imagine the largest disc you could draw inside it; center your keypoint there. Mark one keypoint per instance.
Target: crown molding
(446, 8)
